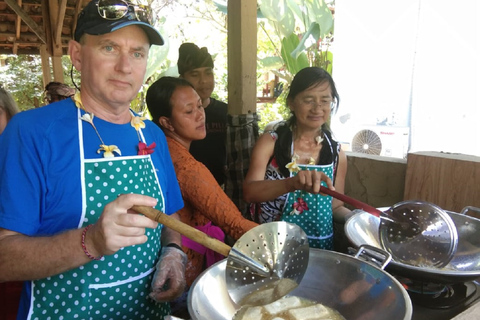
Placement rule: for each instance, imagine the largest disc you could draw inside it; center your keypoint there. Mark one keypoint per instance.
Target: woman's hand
(310, 181)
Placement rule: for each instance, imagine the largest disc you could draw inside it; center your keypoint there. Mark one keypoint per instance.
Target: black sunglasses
(117, 9)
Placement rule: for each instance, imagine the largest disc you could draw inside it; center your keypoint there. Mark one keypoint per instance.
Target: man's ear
(165, 124)
(74, 50)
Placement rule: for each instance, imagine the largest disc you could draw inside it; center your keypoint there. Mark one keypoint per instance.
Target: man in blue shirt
(70, 175)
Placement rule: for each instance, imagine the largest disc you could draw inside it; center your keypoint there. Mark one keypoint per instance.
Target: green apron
(312, 212)
(118, 285)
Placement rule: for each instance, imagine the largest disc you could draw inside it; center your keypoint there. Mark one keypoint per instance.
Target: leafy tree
(22, 76)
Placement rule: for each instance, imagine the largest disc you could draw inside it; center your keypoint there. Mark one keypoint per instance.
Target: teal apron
(118, 285)
(312, 212)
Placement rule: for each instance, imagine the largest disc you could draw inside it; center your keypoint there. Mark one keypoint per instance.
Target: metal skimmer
(265, 264)
(418, 233)
(282, 248)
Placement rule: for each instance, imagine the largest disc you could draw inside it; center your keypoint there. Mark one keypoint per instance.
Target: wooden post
(242, 56)
(242, 128)
(45, 65)
(57, 15)
(57, 68)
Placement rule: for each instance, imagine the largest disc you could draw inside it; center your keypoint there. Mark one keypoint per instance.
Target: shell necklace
(110, 150)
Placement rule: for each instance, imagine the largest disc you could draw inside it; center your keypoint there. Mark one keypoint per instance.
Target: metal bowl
(362, 228)
(355, 288)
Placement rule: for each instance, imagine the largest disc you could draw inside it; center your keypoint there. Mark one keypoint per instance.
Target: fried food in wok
(288, 308)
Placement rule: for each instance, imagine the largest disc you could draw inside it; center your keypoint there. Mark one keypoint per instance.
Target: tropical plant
(304, 30)
(299, 33)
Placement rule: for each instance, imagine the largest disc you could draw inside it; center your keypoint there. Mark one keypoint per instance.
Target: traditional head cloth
(190, 57)
(55, 91)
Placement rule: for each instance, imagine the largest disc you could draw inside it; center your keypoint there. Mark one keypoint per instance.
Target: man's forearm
(28, 258)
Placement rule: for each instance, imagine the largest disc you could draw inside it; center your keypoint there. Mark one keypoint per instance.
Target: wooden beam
(47, 26)
(60, 19)
(54, 13)
(24, 42)
(28, 21)
(78, 8)
(18, 31)
(57, 69)
(45, 58)
(242, 56)
(18, 22)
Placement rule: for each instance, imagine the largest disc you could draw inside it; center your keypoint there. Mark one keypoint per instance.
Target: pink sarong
(211, 256)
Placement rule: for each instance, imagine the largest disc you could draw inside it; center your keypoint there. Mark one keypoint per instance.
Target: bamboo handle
(357, 204)
(184, 229)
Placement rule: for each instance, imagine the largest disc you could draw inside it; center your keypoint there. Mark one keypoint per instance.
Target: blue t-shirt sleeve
(22, 184)
(38, 142)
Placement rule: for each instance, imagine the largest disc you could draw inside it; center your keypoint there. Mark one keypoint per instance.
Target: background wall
(448, 180)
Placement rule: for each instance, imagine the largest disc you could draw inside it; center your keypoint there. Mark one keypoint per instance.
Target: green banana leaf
(273, 10)
(270, 63)
(293, 63)
(323, 16)
(312, 35)
(279, 14)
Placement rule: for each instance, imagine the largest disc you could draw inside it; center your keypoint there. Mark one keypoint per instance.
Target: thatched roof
(26, 25)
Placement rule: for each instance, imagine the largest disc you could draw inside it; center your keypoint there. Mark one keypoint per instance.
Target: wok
(353, 287)
(362, 228)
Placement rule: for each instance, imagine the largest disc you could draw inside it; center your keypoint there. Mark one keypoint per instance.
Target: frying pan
(362, 228)
(264, 265)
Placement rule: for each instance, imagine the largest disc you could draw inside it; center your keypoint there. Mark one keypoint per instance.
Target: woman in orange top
(177, 108)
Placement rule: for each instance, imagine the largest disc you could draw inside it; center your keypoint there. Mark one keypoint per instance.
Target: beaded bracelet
(83, 244)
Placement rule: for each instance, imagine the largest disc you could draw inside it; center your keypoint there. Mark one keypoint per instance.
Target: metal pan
(355, 288)
(362, 228)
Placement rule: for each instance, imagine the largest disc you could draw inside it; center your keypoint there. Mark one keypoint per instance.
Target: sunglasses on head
(117, 9)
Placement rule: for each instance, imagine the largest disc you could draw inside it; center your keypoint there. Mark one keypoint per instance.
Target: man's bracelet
(85, 247)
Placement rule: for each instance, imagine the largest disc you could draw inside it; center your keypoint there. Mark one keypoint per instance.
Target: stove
(441, 301)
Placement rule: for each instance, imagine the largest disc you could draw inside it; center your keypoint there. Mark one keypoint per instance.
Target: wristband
(84, 233)
(174, 245)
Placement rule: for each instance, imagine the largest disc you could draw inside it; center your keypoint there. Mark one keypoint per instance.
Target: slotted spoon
(264, 265)
(417, 233)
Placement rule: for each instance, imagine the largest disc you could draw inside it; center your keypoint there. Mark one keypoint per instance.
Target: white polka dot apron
(312, 212)
(117, 286)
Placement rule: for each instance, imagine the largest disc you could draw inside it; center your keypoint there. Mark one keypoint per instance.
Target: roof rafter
(28, 21)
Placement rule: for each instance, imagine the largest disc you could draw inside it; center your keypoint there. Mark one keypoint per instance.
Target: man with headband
(56, 91)
(196, 66)
(73, 171)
